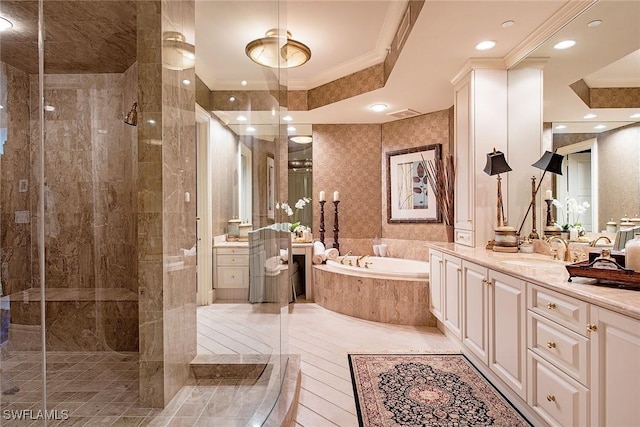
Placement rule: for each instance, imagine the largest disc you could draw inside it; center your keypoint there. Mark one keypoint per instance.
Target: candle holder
(550, 228)
(336, 227)
(322, 230)
(534, 190)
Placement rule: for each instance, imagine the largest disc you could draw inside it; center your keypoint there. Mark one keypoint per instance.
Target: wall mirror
(592, 112)
(300, 170)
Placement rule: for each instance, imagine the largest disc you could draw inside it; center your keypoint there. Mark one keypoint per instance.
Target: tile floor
(98, 389)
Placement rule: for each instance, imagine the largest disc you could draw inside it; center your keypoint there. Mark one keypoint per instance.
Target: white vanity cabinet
(557, 354)
(231, 267)
(615, 368)
(452, 284)
(493, 313)
(435, 283)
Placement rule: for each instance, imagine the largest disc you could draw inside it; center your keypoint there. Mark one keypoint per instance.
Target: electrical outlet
(23, 185)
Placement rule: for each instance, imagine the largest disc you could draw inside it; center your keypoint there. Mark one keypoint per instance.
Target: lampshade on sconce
(549, 162)
(278, 50)
(177, 54)
(132, 116)
(505, 239)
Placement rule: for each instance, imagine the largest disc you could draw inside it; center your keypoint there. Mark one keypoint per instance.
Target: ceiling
(347, 36)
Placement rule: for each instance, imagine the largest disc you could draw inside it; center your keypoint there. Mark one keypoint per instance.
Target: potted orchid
(295, 226)
(571, 213)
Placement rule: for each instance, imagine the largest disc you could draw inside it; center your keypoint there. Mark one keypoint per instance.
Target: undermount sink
(533, 262)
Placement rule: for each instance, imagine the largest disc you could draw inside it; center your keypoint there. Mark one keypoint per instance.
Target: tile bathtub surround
(400, 302)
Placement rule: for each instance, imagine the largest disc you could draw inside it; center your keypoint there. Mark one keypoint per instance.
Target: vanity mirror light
(591, 111)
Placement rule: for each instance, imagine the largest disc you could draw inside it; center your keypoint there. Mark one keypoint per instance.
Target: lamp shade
(496, 163)
(550, 162)
(278, 50)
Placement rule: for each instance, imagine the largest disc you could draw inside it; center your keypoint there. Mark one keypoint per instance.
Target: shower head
(132, 116)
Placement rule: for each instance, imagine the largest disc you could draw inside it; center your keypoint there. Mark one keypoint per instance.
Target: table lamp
(504, 236)
(549, 162)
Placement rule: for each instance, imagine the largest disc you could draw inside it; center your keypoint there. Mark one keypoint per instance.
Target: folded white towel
(284, 255)
(318, 253)
(332, 253)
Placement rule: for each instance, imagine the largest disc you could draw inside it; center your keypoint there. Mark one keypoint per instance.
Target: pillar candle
(322, 196)
(549, 195)
(336, 196)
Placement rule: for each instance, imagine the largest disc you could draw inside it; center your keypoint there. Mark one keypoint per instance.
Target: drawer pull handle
(551, 305)
(551, 398)
(551, 344)
(591, 327)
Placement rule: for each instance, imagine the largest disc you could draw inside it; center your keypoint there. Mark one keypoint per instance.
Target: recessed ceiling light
(635, 116)
(590, 116)
(507, 24)
(5, 24)
(561, 127)
(251, 129)
(49, 108)
(565, 44)
(232, 99)
(151, 122)
(291, 129)
(186, 82)
(600, 127)
(287, 118)
(302, 139)
(243, 83)
(485, 45)
(594, 23)
(378, 107)
(241, 118)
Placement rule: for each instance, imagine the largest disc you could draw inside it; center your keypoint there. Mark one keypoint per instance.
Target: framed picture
(271, 178)
(410, 198)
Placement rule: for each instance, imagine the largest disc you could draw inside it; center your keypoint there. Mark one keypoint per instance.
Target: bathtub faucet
(359, 259)
(344, 257)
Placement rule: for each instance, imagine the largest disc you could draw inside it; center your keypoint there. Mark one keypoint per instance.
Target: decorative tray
(607, 271)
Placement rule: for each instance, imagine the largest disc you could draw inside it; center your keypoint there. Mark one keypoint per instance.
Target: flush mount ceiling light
(566, 44)
(5, 24)
(278, 50)
(177, 54)
(302, 139)
(485, 45)
(378, 107)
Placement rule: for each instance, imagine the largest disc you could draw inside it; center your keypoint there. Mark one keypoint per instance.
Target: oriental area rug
(426, 390)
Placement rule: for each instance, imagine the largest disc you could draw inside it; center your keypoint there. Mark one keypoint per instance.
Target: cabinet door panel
(507, 356)
(435, 283)
(475, 310)
(452, 278)
(615, 369)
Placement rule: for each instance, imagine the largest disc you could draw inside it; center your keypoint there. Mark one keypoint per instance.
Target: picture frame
(410, 198)
(271, 178)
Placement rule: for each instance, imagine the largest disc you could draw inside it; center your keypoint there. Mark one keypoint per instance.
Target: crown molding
(567, 13)
(478, 64)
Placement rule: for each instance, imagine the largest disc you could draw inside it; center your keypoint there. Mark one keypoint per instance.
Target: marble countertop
(221, 243)
(552, 275)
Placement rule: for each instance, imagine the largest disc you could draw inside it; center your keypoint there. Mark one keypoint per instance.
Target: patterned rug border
(419, 353)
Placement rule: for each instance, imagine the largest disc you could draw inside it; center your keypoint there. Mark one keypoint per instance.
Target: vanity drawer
(569, 312)
(463, 237)
(232, 251)
(233, 277)
(556, 397)
(240, 260)
(565, 349)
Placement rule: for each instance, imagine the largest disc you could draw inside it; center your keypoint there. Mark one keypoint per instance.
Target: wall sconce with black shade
(132, 116)
(549, 162)
(504, 236)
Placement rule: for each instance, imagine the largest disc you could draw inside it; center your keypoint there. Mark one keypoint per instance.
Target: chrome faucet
(567, 252)
(344, 257)
(594, 242)
(359, 259)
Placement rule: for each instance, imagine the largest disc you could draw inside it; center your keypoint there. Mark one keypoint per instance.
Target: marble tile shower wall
(89, 222)
(15, 238)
